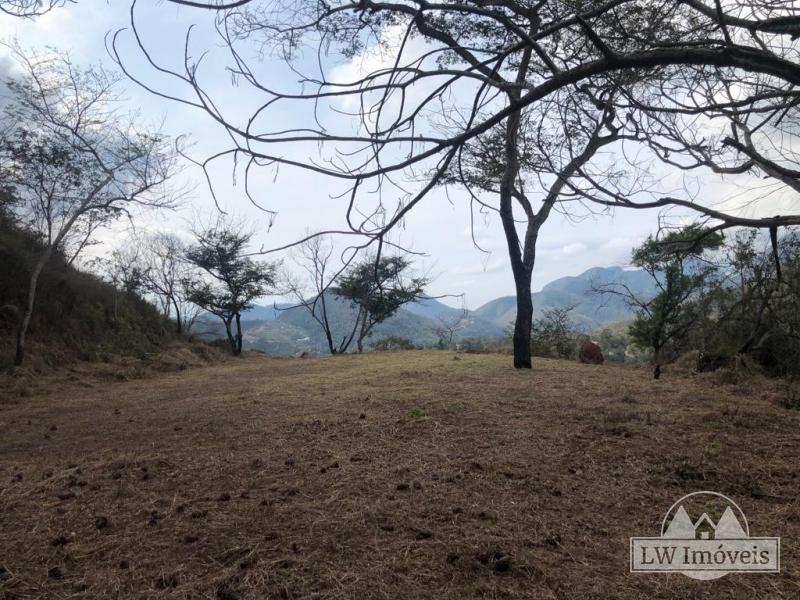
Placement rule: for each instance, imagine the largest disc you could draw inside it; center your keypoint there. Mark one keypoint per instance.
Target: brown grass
(395, 475)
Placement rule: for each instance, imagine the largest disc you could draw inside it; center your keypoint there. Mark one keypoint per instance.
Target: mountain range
(285, 329)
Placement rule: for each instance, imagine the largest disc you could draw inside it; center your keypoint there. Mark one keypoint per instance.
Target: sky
(439, 228)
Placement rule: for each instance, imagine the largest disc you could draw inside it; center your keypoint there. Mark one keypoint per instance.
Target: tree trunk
(238, 349)
(179, 326)
(521, 268)
(26, 317)
(656, 363)
(523, 323)
(325, 323)
(362, 333)
(329, 339)
(229, 333)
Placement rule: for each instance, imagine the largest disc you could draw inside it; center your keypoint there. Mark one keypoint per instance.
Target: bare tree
(122, 268)
(446, 328)
(313, 257)
(72, 163)
(164, 273)
(489, 63)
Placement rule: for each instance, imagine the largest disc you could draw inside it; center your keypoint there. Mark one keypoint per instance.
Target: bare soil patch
(397, 475)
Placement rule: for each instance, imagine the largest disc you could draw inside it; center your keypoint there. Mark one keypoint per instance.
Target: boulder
(590, 353)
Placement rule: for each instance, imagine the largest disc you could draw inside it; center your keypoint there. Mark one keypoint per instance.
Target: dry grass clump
(30, 380)
(392, 475)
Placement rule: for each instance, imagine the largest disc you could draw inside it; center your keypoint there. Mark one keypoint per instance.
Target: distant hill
(431, 308)
(286, 329)
(264, 313)
(591, 310)
(291, 329)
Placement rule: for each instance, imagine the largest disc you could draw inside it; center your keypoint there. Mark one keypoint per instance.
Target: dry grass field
(398, 475)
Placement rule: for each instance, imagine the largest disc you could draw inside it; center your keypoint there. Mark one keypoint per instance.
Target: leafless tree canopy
(467, 69)
(29, 8)
(310, 289)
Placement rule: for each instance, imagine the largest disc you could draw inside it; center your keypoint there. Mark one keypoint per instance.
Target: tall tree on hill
(72, 162)
(547, 164)
(489, 63)
(228, 281)
(377, 289)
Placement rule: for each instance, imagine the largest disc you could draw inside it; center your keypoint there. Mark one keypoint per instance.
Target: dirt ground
(397, 475)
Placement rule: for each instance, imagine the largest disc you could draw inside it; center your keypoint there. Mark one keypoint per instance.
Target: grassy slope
(76, 317)
(382, 476)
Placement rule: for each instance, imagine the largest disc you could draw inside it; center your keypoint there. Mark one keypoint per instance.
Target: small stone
(61, 540)
(55, 573)
(502, 564)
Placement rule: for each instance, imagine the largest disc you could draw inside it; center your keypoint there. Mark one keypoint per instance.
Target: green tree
(677, 265)
(227, 281)
(378, 288)
(553, 334)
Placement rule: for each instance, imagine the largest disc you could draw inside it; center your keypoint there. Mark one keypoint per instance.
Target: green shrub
(392, 343)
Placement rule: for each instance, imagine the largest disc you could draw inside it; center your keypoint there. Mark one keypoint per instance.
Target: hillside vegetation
(78, 316)
(344, 478)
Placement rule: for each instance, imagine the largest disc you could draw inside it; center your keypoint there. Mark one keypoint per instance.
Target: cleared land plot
(398, 475)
